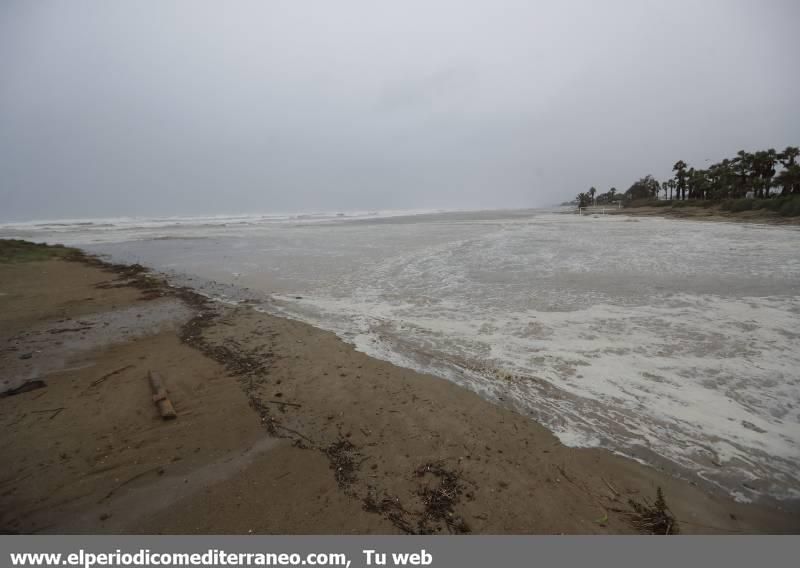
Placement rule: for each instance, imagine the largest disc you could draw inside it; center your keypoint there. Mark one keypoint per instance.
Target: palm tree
(700, 180)
(763, 166)
(691, 186)
(715, 180)
(746, 173)
(788, 179)
(720, 179)
(743, 166)
(788, 156)
(680, 177)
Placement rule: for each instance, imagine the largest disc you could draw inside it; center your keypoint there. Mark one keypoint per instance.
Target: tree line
(760, 175)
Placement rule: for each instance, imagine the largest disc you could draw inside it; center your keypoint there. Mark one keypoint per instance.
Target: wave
(120, 229)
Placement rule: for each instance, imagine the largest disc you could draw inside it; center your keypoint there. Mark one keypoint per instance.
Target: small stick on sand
(613, 490)
(59, 409)
(285, 403)
(109, 375)
(127, 481)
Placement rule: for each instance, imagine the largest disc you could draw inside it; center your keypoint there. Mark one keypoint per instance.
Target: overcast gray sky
(165, 108)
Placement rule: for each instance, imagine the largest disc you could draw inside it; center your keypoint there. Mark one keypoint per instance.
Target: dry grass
(655, 518)
(13, 250)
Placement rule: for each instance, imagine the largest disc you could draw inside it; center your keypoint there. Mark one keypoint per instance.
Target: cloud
(123, 108)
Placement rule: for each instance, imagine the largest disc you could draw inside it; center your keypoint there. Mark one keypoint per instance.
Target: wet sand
(281, 428)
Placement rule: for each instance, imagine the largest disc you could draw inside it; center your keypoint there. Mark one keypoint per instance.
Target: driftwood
(160, 396)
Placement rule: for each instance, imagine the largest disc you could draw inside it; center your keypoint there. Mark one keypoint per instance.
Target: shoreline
(372, 447)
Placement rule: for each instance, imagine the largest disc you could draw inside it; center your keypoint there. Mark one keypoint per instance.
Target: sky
(162, 107)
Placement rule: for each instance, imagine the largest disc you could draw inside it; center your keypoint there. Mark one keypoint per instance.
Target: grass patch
(704, 203)
(642, 203)
(14, 250)
(738, 205)
(788, 206)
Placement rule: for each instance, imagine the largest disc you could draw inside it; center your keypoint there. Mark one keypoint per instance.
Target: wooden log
(160, 396)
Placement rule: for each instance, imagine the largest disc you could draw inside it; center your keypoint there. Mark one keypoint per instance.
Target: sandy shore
(281, 428)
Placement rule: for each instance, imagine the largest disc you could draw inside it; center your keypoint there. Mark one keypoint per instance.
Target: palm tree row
(746, 175)
(586, 199)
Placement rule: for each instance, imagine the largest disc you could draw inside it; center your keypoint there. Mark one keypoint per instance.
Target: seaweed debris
(342, 455)
(653, 519)
(440, 500)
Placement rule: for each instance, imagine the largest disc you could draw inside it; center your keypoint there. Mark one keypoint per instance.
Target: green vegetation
(788, 206)
(679, 204)
(12, 250)
(746, 182)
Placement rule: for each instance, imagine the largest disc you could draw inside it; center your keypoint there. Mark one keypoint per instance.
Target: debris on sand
(342, 455)
(263, 412)
(440, 500)
(391, 509)
(438, 503)
(655, 518)
(69, 329)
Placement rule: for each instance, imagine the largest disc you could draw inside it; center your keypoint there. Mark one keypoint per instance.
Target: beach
(668, 341)
(291, 285)
(281, 428)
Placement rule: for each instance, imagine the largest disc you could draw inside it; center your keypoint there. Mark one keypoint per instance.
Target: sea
(672, 342)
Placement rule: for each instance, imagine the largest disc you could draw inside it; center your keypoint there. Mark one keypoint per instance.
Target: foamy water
(669, 341)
